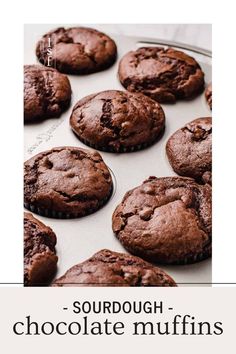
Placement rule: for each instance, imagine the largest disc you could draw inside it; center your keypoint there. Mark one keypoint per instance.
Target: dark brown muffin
(47, 93)
(77, 50)
(40, 260)
(163, 74)
(189, 150)
(117, 121)
(166, 220)
(108, 268)
(208, 95)
(66, 182)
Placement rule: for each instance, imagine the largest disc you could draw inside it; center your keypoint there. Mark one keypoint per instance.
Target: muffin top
(117, 121)
(163, 74)
(189, 150)
(77, 50)
(108, 268)
(166, 220)
(208, 94)
(47, 93)
(68, 180)
(40, 258)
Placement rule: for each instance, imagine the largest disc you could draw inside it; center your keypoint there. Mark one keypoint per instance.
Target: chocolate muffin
(77, 50)
(40, 260)
(66, 182)
(165, 75)
(117, 121)
(189, 150)
(108, 268)
(208, 95)
(47, 93)
(166, 220)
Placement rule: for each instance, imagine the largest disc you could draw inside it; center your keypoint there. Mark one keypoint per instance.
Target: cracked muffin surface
(166, 220)
(66, 182)
(40, 260)
(189, 150)
(208, 95)
(117, 121)
(77, 50)
(47, 93)
(108, 268)
(165, 75)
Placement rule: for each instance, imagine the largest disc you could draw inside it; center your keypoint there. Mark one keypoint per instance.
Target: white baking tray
(79, 239)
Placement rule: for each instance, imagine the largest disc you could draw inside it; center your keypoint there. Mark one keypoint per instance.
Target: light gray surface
(78, 239)
(194, 34)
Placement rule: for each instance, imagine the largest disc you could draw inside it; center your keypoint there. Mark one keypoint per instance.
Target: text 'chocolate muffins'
(66, 182)
(77, 50)
(117, 121)
(47, 93)
(166, 220)
(165, 75)
(189, 150)
(40, 260)
(108, 268)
